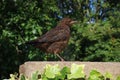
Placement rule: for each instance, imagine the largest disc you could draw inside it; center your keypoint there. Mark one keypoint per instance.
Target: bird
(55, 40)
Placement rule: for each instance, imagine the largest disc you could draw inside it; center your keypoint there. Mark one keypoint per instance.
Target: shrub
(76, 72)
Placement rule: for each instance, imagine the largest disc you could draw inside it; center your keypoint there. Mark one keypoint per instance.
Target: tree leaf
(95, 75)
(35, 76)
(108, 76)
(22, 77)
(64, 72)
(52, 71)
(118, 78)
(76, 72)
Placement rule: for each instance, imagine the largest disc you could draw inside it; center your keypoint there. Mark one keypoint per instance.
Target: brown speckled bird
(55, 40)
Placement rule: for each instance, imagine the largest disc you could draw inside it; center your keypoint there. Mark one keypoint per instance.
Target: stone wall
(30, 67)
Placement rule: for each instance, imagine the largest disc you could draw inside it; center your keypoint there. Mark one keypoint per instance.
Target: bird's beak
(72, 22)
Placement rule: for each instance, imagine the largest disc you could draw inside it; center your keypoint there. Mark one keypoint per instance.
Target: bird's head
(67, 21)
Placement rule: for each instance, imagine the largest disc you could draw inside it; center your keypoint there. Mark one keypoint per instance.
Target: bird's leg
(59, 57)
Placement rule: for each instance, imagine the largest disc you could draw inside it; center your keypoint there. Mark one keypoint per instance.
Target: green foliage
(22, 77)
(35, 76)
(64, 71)
(108, 76)
(52, 71)
(76, 72)
(118, 78)
(95, 75)
(95, 37)
(14, 76)
(101, 42)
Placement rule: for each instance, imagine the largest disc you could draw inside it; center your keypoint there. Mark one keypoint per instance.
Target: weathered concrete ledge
(30, 67)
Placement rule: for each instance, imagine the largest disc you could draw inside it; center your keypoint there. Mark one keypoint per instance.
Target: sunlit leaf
(77, 71)
(118, 78)
(35, 76)
(95, 75)
(64, 72)
(52, 71)
(108, 76)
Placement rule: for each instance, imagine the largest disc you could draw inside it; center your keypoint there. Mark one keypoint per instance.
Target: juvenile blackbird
(55, 40)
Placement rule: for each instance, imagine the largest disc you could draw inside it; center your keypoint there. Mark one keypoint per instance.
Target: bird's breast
(57, 47)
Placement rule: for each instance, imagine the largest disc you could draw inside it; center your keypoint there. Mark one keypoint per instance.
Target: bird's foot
(62, 59)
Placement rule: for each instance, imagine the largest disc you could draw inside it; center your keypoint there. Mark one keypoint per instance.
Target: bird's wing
(54, 35)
